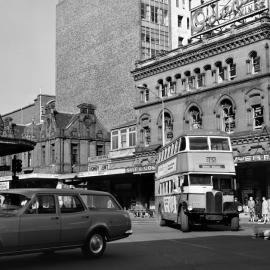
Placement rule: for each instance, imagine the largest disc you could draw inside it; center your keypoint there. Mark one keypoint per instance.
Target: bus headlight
(239, 208)
(189, 208)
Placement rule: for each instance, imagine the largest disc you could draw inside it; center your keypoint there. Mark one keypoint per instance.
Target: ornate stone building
(221, 82)
(64, 144)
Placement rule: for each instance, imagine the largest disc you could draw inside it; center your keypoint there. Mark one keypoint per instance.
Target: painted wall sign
(220, 13)
(138, 169)
(253, 158)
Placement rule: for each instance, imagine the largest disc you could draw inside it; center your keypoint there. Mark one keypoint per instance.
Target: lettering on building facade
(216, 14)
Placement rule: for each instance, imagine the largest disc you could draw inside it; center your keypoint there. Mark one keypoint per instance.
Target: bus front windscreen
(200, 180)
(220, 144)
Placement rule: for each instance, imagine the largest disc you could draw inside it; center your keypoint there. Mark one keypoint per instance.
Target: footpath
(243, 219)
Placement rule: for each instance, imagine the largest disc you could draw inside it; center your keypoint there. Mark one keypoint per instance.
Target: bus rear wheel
(184, 221)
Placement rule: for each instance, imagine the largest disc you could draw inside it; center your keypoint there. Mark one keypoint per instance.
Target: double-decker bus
(195, 181)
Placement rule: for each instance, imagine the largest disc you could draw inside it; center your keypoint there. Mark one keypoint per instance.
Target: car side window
(70, 204)
(42, 204)
(100, 202)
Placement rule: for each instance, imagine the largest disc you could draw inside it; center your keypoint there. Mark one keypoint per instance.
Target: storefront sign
(252, 158)
(220, 13)
(139, 169)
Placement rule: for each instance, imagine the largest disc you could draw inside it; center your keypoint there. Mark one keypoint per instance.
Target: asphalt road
(153, 247)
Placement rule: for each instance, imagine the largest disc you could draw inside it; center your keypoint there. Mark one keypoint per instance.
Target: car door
(104, 209)
(74, 219)
(40, 223)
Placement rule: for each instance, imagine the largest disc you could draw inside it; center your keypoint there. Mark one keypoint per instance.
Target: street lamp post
(163, 110)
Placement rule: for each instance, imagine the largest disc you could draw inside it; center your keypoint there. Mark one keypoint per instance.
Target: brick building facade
(220, 82)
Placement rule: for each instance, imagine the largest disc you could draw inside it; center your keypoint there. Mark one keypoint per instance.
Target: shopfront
(253, 175)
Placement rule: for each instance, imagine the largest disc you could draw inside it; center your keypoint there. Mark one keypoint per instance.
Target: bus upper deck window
(220, 144)
(182, 144)
(198, 143)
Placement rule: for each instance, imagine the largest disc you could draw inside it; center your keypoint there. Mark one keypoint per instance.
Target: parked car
(44, 220)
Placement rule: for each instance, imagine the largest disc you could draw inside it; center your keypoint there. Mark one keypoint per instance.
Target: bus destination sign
(217, 14)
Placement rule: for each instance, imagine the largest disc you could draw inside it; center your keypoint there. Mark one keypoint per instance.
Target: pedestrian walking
(264, 210)
(258, 210)
(251, 209)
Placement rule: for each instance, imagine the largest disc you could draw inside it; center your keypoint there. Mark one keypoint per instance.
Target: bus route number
(211, 159)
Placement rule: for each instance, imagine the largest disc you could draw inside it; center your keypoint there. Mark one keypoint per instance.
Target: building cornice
(232, 40)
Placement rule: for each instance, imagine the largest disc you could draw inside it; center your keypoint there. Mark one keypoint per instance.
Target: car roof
(30, 192)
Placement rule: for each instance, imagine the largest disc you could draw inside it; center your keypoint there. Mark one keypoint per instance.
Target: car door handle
(85, 216)
(54, 217)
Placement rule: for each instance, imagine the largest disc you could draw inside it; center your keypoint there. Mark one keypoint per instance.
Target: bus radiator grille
(213, 202)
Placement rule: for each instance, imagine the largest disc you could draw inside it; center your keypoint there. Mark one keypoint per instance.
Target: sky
(27, 51)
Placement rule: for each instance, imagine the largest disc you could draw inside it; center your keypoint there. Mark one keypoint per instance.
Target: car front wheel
(95, 245)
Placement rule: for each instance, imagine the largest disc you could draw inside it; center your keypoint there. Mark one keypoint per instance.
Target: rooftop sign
(217, 14)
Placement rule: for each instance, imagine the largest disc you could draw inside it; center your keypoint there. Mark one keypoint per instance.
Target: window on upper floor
(188, 24)
(52, 153)
(257, 115)
(179, 20)
(231, 69)
(227, 116)
(145, 136)
(115, 139)
(253, 63)
(180, 41)
(74, 153)
(100, 150)
(123, 138)
(43, 155)
(199, 78)
(183, 4)
(195, 120)
(132, 136)
(220, 72)
(171, 86)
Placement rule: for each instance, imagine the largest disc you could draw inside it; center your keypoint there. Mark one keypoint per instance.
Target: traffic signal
(16, 165)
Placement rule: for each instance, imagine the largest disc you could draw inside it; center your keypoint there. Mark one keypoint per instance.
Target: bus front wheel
(184, 221)
(235, 224)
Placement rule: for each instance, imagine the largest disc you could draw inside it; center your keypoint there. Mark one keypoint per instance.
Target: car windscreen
(200, 180)
(11, 202)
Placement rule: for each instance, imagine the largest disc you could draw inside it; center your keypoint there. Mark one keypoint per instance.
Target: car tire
(95, 245)
(184, 221)
(235, 224)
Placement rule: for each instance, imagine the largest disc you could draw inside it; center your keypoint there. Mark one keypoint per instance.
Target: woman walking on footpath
(264, 210)
(251, 209)
(258, 210)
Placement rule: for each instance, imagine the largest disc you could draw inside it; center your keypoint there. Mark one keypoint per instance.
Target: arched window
(145, 130)
(227, 116)
(253, 63)
(171, 89)
(189, 81)
(195, 120)
(231, 70)
(163, 88)
(168, 126)
(220, 72)
(199, 78)
(255, 109)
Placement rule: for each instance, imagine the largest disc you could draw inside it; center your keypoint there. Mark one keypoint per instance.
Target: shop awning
(10, 146)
